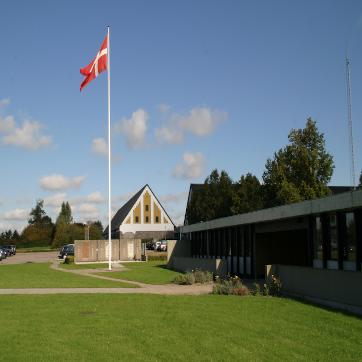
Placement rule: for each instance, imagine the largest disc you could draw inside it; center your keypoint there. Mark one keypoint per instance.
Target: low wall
(97, 250)
(335, 288)
(217, 266)
(181, 248)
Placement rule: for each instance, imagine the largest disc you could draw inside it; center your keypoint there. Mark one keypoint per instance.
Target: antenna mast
(350, 125)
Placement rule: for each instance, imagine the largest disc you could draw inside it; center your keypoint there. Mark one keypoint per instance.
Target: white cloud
(164, 108)
(28, 136)
(193, 166)
(55, 200)
(95, 197)
(134, 129)
(88, 208)
(17, 214)
(178, 218)
(12, 226)
(201, 122)
(60, 183)
(75, 200)
(126, 197)
(100, 148)
(24, 201)
(173, 198)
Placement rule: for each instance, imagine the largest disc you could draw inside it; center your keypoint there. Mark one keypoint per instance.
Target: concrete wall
(336, 288)
(181, 248)
(217, 266)
(97, 250)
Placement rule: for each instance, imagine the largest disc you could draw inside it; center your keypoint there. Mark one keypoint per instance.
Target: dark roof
(339, 189)
(123, 212)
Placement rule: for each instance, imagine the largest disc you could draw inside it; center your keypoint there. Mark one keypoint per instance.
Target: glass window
(351, 244)
(146, 218)
(136, 218)
(318, 246)
(146, 207)
(333, 237)
(156, 218)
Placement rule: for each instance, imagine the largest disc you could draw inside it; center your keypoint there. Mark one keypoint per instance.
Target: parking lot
(22, 258)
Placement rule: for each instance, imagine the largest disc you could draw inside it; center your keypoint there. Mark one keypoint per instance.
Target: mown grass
(40, 275)
(151, 272)
(83, 266)
(145, 327)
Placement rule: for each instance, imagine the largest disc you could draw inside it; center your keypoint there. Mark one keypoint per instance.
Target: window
(136, 218)
(146, 218)
(156, 218)
(146, 207)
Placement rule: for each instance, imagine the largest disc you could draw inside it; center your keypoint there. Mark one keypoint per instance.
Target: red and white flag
(98, 65)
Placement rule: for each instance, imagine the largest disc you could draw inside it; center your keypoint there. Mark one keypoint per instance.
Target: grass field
(40, 275)
(152, 272)
(144, 327)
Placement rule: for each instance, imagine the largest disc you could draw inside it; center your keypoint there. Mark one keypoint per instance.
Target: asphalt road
(22, 258)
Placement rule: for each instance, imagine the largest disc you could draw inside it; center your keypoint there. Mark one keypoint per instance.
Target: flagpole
(109, 157)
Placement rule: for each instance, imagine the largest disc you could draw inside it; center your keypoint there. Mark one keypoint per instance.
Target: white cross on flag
(98, 65)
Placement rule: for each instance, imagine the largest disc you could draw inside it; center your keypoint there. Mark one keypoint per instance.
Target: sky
(194, 86)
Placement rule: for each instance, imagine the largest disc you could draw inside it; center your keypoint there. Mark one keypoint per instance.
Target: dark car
(66, 250)
(9, 249)
(4, 251)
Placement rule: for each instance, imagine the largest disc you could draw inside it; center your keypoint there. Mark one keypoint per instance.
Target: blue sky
(195, 85)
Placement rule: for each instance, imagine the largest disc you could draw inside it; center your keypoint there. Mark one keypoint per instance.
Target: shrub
(189, 278)
(243, 291)
(157, 258)
(256, 291)
(276, 287)
(69, 259)
(200, 277)
(209, 276)
(179, 279)
(227, 286)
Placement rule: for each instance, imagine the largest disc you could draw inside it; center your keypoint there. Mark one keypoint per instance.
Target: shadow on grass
(324, 307)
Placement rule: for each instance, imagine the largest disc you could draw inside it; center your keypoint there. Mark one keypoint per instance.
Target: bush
(227, 286)
(276, 287)
(189, 278)
(157, 257)
(200, 277)
(243, 291)
(69, 259)
(179, 279)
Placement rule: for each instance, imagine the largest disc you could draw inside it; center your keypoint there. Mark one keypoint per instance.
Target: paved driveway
(22, 258)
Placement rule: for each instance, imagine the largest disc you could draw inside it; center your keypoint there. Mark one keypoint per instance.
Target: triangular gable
(146, 209)
(128, 213)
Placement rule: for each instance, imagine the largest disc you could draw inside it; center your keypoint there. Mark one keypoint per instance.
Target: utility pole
(350, 125)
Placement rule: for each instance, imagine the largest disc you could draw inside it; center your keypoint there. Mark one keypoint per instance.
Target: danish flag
(98, 65)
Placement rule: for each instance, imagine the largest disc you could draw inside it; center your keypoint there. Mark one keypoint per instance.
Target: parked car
(66, 250)
(162, 246)
(156, 245)
(5, 253)
(1, 255)
(9, 249)
(149, 245)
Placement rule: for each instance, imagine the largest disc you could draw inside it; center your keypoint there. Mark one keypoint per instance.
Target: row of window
(147, 219)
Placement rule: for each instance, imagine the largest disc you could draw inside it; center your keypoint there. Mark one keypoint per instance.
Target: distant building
(142, 217)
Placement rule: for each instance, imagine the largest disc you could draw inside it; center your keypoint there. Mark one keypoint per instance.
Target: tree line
(41, 231)
(300, 171)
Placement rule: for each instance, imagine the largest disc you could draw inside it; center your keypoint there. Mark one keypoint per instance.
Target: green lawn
(40, 275)
(144, 327)
(151, 272)
(83, 266)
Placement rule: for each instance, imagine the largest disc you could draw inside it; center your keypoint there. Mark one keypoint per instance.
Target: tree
(37, 214)
(212, 200)
(247, 195)
(300, 171)
(360, 182)
(65, 213)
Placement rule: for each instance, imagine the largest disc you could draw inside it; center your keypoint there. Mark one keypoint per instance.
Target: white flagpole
(109, 157)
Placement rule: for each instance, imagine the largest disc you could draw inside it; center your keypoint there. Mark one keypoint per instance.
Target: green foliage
(193, 276)
(276, 287)
(228, 286)
(300, 171)
(69, 259)
(66, 234)
(37, 214)
(360, 182)
(213, 200)
(256, 291)
(161, 257)
(247, 195)
(65, 215)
